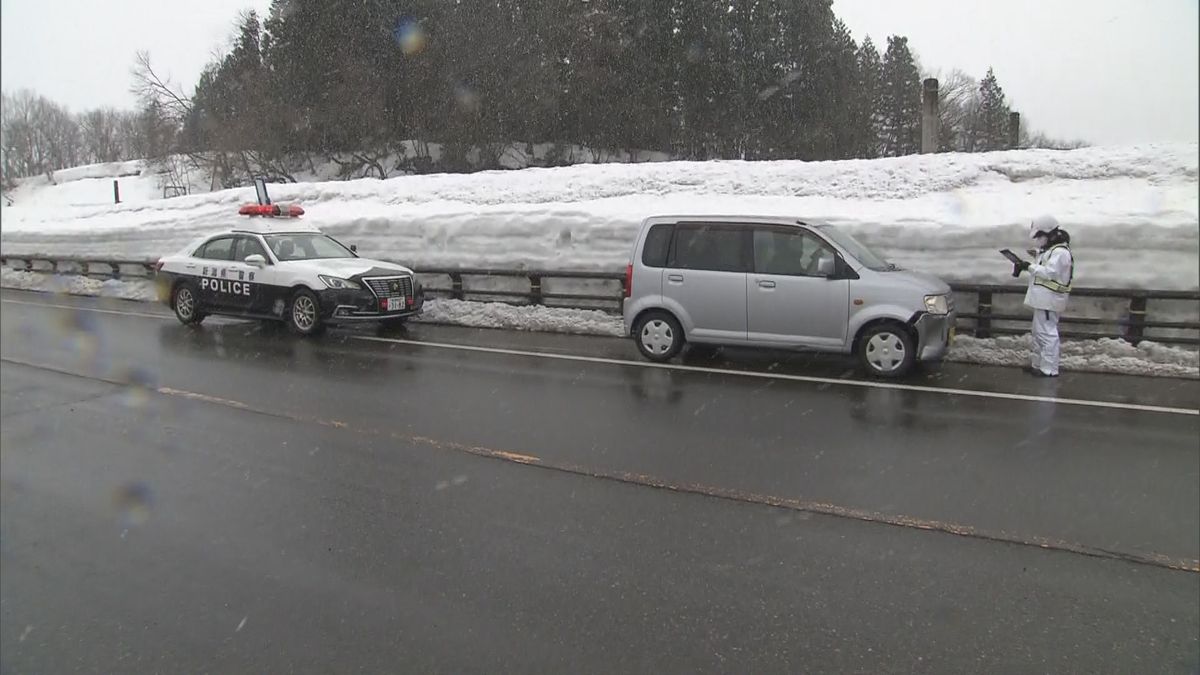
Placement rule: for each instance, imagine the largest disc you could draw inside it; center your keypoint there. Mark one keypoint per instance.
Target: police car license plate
(396, 304)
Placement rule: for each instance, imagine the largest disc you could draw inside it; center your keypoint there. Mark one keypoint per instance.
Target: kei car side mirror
(255, 259)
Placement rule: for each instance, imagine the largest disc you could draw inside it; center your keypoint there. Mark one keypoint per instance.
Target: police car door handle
(677, 278)
(763, 283)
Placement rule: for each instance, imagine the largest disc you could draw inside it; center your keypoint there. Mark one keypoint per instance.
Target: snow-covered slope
(1132, 211)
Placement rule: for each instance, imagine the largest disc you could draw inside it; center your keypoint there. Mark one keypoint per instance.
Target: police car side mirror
(256, 259)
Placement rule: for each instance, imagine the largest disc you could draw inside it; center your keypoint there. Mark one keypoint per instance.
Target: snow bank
(1104, 355)
(525, 318)
(126, 289)
(1132, 211)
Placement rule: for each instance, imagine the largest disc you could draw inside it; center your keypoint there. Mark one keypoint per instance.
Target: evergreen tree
(700, 79)
(900, 100)
(992, 119)
(866, 117)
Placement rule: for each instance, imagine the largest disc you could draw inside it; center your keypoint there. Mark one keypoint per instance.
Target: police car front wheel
(304, 313)
(186, 304)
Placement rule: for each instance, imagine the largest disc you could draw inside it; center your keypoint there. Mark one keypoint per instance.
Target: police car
(277, 268)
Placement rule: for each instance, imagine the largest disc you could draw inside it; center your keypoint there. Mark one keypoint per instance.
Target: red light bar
(271, 210)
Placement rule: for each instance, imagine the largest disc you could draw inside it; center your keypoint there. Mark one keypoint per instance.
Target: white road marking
(87, 309)
(578, 358)
(1030, 398)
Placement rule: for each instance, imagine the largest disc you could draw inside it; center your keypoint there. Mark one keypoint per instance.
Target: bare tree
(101, 141)
(164, 112)
(39, 136)
(152, 89)
(958, 104)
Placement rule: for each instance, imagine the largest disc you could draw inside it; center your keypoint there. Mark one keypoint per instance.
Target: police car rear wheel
(185, 304)
(304, 313)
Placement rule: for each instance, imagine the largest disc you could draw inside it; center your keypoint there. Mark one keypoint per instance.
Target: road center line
(700, 489)
(811, 379)
(1029, 398)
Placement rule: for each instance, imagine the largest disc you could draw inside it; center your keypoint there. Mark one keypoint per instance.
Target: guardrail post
(28, 264)
(83, 268)
(983, 325)
(535, 289)
(1137, 319)
(456, 286)
(116, 270)
(53, 266)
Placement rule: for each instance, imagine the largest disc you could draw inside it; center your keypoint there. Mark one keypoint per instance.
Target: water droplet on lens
(132, 504)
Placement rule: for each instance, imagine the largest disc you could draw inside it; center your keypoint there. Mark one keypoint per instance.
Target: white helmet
(1042, 225)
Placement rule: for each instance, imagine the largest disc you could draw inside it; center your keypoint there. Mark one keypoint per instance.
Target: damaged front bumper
(935, 333)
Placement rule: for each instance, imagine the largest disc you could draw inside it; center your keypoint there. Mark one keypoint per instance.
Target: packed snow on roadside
(1132, 211)
(125, 289)
(521, 317)
(1104, 355)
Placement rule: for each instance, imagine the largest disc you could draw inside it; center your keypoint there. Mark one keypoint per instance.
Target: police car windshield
(305, 246)
(870, 259)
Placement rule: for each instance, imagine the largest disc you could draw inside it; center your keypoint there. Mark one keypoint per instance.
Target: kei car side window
(789, 252)
(714, 248)
(217, 249)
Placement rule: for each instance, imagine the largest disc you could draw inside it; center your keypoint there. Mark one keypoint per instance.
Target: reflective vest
(1051, 284)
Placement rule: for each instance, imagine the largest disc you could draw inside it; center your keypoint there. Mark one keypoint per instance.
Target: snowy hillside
(1132, 211)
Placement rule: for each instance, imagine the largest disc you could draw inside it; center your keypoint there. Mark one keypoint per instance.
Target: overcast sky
(1109, 71)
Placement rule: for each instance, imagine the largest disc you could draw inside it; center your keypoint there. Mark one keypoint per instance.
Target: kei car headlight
(937, 304)
(342, 284)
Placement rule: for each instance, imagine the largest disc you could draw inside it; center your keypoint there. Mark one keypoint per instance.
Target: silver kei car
(781, 283)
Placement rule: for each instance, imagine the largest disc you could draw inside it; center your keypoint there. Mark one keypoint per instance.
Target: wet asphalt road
(343, 505)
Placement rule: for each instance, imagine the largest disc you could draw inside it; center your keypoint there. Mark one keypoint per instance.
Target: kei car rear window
(658, 243)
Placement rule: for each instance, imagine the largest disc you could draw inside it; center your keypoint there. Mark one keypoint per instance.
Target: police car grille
(382, 286)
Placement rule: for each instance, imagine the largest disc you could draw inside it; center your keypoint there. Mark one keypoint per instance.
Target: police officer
(1049, 287)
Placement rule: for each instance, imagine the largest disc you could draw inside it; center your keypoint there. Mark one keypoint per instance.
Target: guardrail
(1131, 325)
(1131, 322)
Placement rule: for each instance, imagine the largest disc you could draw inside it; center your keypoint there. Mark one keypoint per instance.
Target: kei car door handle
(766, 284)
(677, 278)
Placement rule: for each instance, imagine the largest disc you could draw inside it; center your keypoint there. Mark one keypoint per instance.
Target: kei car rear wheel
(659, 336)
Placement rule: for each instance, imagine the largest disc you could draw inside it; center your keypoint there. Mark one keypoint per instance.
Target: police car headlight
(341, 284)
(937, 304)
